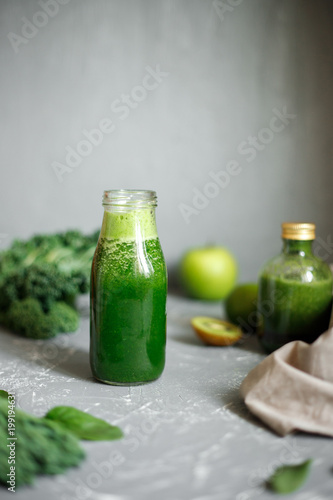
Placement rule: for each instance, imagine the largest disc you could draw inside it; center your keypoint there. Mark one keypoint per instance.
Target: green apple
(208, 273)
(241, 306)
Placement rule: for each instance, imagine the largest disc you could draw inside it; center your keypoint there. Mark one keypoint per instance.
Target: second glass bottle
(295, 291)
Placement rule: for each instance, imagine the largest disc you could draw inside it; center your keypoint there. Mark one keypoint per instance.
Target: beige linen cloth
(292, 389)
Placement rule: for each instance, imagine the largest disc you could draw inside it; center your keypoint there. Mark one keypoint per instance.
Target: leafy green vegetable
(71, 252)
(47, 445)
(41, 447)
(27, 318)
(43, 282)
(40, 279)
(83, 425)
(289, 478)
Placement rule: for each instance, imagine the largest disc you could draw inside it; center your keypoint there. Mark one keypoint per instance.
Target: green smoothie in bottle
(128, 292)
(295, 291)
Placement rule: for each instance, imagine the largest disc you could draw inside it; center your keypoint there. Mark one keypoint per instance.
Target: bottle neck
(129, 214)
(297, 247)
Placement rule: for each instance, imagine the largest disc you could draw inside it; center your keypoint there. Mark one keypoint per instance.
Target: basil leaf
(83, 425)
(3, 394)
(289, 478)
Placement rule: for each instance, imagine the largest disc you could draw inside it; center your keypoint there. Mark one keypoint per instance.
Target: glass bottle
(128, 292)
(295, 291)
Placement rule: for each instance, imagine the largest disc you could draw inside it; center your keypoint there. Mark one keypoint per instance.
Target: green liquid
(128, 301)
(292, 310)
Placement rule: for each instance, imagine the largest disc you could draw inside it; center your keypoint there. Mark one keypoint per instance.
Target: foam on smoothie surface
(125, 225)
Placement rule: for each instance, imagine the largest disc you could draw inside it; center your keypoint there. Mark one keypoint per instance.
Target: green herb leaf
(83, 425)
(289, 478)
(4, 394)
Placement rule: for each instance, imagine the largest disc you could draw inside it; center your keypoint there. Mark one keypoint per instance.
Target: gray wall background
(229, 65)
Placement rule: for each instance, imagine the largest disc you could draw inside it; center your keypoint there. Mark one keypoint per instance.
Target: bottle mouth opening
(129, 198)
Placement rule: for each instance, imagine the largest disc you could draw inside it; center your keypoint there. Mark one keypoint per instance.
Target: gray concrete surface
(188, 436)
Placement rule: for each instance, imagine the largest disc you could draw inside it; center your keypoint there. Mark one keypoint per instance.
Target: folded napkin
(292, 389)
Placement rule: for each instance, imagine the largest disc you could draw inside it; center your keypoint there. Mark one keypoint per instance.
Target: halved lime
(216, 331)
